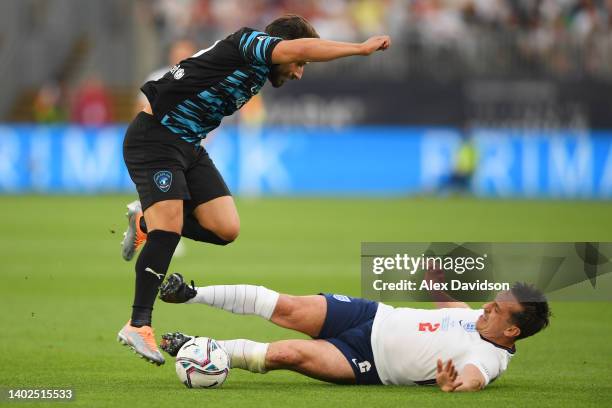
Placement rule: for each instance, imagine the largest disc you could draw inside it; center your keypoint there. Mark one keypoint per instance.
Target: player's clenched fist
(372, 44)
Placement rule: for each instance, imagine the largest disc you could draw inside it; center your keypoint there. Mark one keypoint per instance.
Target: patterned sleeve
(256, 46)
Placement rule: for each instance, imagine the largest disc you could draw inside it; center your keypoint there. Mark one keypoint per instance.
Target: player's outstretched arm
(318, 50)
(449, 379)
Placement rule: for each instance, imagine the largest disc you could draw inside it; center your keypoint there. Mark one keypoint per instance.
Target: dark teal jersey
(193, 97)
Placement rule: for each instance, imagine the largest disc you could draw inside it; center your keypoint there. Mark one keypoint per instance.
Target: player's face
(497, 317)
(283, 72)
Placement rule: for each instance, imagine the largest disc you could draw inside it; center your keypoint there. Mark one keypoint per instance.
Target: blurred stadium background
(487, 120)
(502, 98)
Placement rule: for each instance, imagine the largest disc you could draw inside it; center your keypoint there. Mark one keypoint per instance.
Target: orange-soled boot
(133, 237)
(142, 341)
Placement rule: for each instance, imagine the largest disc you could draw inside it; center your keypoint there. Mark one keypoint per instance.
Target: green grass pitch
(65, 292)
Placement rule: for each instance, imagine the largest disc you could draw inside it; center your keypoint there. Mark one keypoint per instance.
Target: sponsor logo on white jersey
(468, 326)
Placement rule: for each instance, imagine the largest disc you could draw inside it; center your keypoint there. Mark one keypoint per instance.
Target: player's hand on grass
(446, 376)
(373, 44)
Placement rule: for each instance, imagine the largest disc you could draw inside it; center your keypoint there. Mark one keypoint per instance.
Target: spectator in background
(179, 50)
(466, 161)
(173, 17)
(556, 36)
(369, 16)
(92, 103)
(49, 104)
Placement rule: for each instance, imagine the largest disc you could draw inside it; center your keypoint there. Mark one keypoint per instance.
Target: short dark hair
(535, 314)
(291, 27)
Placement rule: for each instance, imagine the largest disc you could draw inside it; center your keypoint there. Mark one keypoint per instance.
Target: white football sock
(239, 299)
(246, 354)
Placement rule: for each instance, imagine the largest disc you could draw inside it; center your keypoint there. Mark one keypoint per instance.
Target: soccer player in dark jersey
(180, 190)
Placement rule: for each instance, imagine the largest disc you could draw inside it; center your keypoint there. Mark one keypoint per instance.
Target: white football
(202, 363)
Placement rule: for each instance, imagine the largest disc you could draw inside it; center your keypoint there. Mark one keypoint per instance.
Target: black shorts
(165, 167)
(348, 326)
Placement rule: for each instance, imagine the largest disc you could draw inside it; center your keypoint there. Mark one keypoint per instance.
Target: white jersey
(407, 343)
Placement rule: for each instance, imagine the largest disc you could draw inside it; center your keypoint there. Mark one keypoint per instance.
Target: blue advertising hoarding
(367, 161)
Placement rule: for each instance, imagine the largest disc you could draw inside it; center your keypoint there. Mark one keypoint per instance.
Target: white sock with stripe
(239, 299)
(246, 354)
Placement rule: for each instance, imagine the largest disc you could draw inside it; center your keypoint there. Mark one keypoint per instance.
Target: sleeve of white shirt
(488, 366)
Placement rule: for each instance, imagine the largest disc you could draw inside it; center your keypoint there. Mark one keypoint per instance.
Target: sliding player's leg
(339, 323)
(165, 222)
(321, 316)
(315, 358)
(318, 359)
(305, 314)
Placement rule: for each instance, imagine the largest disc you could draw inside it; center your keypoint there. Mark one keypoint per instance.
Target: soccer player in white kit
(358, 341)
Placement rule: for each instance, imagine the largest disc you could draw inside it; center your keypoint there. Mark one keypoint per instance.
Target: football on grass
(202, 363)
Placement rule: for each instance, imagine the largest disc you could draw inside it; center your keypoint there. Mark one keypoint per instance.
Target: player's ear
(512, 331)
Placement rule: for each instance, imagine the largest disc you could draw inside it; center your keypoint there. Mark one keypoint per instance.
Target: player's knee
(166, 216)
(173, 221)
(285, 354)
(284, 312)
(229, 231)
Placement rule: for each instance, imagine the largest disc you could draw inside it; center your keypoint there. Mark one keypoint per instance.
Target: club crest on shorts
(163, 180)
